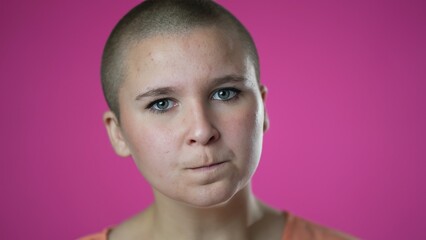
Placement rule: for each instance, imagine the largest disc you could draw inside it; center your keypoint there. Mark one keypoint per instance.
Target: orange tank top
(296, 228)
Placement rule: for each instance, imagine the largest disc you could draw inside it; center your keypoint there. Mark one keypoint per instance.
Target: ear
(263, 92)
(115, 134)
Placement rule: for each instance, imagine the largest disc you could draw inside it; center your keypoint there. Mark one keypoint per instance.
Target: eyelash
(234, 91)
(152, 104)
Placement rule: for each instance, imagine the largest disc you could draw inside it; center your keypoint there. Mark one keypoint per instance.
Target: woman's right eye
(161, 105)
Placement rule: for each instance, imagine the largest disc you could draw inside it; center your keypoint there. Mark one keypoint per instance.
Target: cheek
(152, 150)
(244, 130)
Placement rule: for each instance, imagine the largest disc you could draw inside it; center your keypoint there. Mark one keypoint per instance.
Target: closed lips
(209, 165)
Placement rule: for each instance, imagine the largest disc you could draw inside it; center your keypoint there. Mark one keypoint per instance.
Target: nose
(201, 129)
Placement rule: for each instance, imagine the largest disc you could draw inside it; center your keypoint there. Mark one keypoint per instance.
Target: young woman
(181, 79)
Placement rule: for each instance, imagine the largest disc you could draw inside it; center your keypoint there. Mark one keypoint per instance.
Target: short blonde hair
(162, 16)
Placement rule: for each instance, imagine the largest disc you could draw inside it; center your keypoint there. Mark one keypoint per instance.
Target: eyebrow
(229, 78)
(169, 90)
(156, 92)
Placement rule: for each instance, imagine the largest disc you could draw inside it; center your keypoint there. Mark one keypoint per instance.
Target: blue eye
(161, 105)
(225, 94)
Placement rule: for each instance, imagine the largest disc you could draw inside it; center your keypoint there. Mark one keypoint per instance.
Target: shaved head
(155, 17)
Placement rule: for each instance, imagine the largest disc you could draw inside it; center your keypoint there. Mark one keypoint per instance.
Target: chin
(212, 196)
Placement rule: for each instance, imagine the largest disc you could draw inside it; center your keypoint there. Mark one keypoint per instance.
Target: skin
(192, 118)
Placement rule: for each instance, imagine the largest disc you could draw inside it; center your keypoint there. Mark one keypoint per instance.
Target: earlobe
(263, 92)
(115, 134)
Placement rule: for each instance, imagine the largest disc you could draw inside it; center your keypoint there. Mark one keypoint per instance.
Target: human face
(191, 115)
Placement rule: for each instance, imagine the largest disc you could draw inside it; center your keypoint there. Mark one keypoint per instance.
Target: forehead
(200, 52)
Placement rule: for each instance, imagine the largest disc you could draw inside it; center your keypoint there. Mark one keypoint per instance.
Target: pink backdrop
(346, 147)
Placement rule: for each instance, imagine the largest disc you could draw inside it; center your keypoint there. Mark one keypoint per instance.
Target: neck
(231, 220)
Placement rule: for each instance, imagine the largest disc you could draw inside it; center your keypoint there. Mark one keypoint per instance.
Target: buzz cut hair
(153, 17)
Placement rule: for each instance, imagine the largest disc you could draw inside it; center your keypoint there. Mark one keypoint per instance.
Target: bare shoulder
(298, 228)
(130, 229)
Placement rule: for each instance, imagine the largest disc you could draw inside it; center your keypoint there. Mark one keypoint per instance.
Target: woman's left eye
(225, 94)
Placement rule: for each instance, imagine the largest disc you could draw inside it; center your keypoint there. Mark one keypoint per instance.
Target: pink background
(346, 147)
